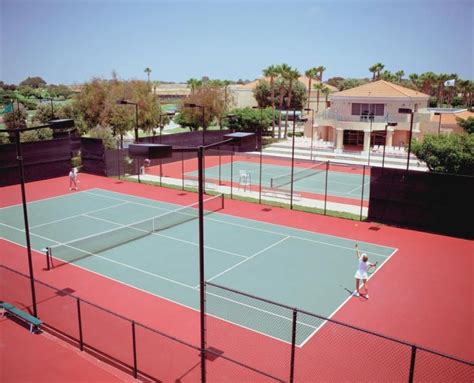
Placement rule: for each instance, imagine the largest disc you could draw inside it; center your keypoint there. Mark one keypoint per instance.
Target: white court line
(99, 256)
(241, 262)
(48, 198)
(160, 235)
(358, 187)
(78, 215)
(268, 231)
(346, 300)
(248, 259)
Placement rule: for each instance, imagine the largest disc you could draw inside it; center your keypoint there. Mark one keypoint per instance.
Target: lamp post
(19, 154)
(385, 144)
(125, 102)
(312, 130)
(152, 151)
(192, 105)
(411, 113)
(261, 154)
(371, 118)
(439, 125)
(292, 157)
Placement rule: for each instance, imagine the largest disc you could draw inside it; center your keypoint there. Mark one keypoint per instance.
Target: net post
(293, 346)
(326, 187)
(46, 252)
(362, 194)
(412, 364)
(134, 345)
(182, 170)
(79, 320)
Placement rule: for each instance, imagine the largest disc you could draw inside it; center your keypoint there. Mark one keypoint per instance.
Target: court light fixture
(126, 102)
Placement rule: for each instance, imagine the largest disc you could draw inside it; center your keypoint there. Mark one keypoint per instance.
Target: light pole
(371, 118)
(261, 154)
(312, 130)
(192, 105)
(385, 143)
(153, 151)
(411, 113)
(439, 125)
(125, 102)
(292, 157)
(19, 154)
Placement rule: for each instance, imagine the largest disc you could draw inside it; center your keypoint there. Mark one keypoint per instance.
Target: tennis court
(152, 246)
(308, 179)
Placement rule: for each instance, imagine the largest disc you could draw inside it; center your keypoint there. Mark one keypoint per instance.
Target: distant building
(243, 94)
(357, 117)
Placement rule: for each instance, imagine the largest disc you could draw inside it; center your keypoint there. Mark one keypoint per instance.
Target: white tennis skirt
(361, 275)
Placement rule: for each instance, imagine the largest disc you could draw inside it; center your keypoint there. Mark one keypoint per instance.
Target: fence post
(79, 318)
(293, 347)
(412, 364)
(48, 266)
(362, 195)
(326, 187)
(135, 368)
(182, 170)
(231, 172)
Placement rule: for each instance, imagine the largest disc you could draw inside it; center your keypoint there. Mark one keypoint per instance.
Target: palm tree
(464, 86)
(427, 80)
(272, 72)
(399, 75)
(320, 70)
(326, 91)
(379, 69)
(318, 87)
(282, 69)
(193, 84)
(414, 80)
(373, 70)
(312, 74)
(148, 71)
(291, 75)
(441, 78)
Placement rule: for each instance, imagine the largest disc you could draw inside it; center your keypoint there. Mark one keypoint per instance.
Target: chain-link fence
(297, 346)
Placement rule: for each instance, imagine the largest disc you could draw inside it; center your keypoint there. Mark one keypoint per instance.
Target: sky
(72, 41)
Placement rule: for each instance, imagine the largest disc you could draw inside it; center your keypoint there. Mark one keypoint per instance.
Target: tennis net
(285, 179)
(93, 244)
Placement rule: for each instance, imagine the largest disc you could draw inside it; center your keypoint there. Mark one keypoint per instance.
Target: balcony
(347, 121)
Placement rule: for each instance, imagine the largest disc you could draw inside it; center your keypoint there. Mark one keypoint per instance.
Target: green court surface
(307, 270)
(338, 183)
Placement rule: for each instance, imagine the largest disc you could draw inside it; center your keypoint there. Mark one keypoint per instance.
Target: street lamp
(261, 153)
(411, 113)
(61, 124)
(153, 151)
(371, 118)
(312, 130)
(192, 105)
(125, 102)
(385, 143)
(439, 125)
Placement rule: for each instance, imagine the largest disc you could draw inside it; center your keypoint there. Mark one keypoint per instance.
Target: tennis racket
(371, 269)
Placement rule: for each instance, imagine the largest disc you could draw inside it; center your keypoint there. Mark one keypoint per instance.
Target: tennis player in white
(362, 272)
(73, 181)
